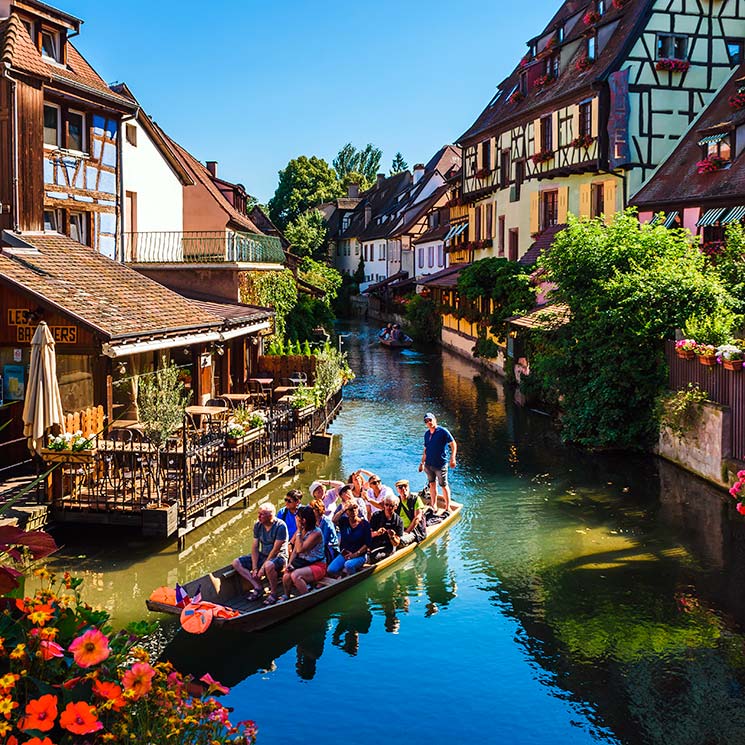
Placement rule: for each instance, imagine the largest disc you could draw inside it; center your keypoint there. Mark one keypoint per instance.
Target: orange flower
(41, 614)
(111, 692)
(7, 705)
(19, 652)
(90, 649)
(40, 713)
(50, 650)
(138, 679)
(80, 719)
(7, 682)
(37, 741)
(12, 740)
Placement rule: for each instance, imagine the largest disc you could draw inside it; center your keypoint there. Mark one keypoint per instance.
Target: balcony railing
(202, 247)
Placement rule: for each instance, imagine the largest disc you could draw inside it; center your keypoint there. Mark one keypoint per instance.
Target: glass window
(50, 220)
(721, 149)
(592, 48)
(78, 227)
(549, 209)
(420, 252)
(734, 51)
(51, 125)
(585, 119)
(131, 134)
(672, 46)
(76, 131)
(50, 45)
(504, 168)
(486, 154)
(598, 200)
(489, 221)
(519, 177)
(546, 134)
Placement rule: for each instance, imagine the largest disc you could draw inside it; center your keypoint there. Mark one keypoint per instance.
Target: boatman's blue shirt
(435, 446)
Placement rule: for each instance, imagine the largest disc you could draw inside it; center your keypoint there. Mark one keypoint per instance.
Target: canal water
(580, 598)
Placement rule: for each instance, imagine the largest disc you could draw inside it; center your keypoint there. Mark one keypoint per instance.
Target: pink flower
(50, 650)
(213, 685)
(741, 508)
(741, 475)
(90, 649)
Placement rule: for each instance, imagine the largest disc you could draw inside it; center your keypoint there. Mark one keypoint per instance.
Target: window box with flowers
(583, 63)
(591, 18)
(543, 156)
(673, 65)
(618, 4)
(711, 164)
(730, 356)
(582, 141)
(516, 97)
(526, 60)
(686, 348)
(707, 354)
(482, 173)
(70, 448)
(737, 101)
(543, 80)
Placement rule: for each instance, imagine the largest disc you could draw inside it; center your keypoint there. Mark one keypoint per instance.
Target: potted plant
(591, 17)
(582, 141)
(516, 97)
(583, 63)
(737, 101)
(303, 401)
(234, 435)
(707, 354)
(711, 164)
(70, 448)
(686, 348)
(673, 65)
(731, 356)
(542, 156)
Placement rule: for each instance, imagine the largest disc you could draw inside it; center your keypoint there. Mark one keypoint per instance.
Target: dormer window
(717, 147)
(29, 26)
(50, 45)
(560, 34)
(551, 66)
(600, 7)
(346, 220)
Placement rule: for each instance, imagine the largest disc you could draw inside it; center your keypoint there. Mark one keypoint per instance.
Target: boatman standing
(435, 460)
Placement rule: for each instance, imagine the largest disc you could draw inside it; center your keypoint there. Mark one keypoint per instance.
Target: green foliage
(308, 314)
(332, 371)
(423, 319)
(398, 165)
(304, 396)
(629, 286)
(714, 328)
(276, 290)
(162, 401)
(358, 166)
(730, 264)
(680, 410)
(485, 348)
(321, 275)
(498, 282)
(303, 183)
(307, 234)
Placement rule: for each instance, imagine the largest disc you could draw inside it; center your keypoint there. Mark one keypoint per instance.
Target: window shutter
(584, 200)
(555, 131)
(563, 204)
(534, 201)
(575, 123)
(609, 197)
(594, 112)
(537, 136)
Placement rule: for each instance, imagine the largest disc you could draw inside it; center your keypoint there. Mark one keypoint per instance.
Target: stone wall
(462, 345)
(704, 448)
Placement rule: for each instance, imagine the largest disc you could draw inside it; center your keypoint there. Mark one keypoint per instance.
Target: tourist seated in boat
(288, 514)
(328, 530)
(328, 492)
(386, 529)
(268, 553)
(346, 497)
(377, 491)
(354, 542)
(307, 562)
(360, 486)
(385, 332)
(411, 511)
(397, 334)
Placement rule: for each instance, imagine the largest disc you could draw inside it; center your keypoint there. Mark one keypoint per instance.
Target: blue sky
(252, 84)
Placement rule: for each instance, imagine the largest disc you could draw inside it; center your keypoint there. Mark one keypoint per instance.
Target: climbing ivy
(276, 290)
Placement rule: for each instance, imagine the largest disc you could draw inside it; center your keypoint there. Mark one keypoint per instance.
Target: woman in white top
(318, 490)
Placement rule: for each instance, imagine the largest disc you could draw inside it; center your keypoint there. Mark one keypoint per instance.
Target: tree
(321, 275)
(399, 164)
(358, 166)
(628, 287)
(307, 234)
(303, 183)
(346, 160)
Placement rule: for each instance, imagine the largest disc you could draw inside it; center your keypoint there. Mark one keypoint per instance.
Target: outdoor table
(297, 380)
(239, 398)
(206, 410)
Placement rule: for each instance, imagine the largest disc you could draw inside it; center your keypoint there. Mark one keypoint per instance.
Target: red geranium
(40, 713)
(80, 718)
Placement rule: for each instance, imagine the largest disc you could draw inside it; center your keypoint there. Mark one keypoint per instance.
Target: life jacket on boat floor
(197, 617)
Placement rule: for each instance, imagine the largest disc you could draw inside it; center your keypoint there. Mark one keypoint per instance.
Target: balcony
(202, 247)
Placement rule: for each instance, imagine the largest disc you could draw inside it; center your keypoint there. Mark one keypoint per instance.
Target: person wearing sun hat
(435, 461)
(329, 496)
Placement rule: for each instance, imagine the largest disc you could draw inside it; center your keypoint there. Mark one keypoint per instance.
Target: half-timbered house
(600, 98)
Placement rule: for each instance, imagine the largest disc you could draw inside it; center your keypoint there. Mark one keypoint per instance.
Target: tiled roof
(446, 278)
(544, 241)
(676, 180)
(19, 52)
(570, 83)
(434, 234)
(231, 313)
(385, 282)
(545, 318)
(445, 159)
(104, 294)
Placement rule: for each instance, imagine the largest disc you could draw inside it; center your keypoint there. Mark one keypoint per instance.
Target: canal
(581, 598)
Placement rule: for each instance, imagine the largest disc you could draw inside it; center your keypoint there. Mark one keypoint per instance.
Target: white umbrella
(42, 408)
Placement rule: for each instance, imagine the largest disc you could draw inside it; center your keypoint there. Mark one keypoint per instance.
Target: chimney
(353, 191)
(380, 180)
(418, 172)
(212, 168)
(368, 214)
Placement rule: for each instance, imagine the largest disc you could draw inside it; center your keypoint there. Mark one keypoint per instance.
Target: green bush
(424, 320)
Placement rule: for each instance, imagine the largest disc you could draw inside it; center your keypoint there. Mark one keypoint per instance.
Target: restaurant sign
(19, 317)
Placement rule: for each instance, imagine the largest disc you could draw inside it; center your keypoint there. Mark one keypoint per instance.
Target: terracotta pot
(707, 361)
(732, 364)
(685, 354)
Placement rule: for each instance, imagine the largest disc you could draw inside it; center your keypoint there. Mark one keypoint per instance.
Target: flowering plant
(712, 248)
(729, 352)
(619, 3)
(542, 156)
(705, 350)
(686, 345)
(66, 678)
(591, 17)
(711, 164)
(257, 419)
(543, 80)
(736, 492)
(525, 61)
(482, 173)
(67, 441)
(737, 101)
(236, 431)
(673, 65)
(516, 97)
(582, 141)
(583, 63)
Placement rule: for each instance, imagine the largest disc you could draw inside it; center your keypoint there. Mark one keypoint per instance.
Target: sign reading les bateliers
(25, 330)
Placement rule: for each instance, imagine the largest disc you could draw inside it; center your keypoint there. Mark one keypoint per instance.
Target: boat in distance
(404, 343)
(226, 587)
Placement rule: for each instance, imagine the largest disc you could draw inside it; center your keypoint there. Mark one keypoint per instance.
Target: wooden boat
(226, 587)
(404, 343)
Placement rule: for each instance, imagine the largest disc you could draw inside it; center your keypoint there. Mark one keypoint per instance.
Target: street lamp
(341, 339)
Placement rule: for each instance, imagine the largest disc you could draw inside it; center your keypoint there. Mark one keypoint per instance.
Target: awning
(710, 139)
(710, 216)
(670, 219)
(457, 230)
(734, 215)
(655, 220)
(450, 232)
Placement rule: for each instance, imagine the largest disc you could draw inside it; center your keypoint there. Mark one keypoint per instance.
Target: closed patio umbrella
(42, 408)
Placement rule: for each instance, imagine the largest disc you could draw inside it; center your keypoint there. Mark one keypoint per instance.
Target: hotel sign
(19, 317)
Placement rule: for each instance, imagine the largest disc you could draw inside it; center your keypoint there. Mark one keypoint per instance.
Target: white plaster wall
(160, 196)
(437, 247)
